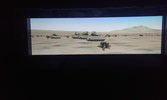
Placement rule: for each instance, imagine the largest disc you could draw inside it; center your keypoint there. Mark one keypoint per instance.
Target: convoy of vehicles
(86, 36)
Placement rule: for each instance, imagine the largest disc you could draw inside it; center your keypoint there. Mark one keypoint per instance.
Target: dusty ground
(119, 45)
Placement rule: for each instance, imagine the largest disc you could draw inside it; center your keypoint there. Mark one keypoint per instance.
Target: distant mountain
(137, 29)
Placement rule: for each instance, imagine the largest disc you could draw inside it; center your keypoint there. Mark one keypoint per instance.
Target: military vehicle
(76, 35)
(83, 35)
(95, 37)
(107, 35)
(54, 36)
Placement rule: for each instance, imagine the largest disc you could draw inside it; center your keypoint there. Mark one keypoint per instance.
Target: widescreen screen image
(96, 35)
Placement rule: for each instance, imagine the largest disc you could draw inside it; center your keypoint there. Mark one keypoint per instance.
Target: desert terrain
(121, 43)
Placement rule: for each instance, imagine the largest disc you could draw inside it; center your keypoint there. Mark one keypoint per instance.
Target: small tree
(115, 35)
(47, 36)
(104, 45)
(140, 35)
(67, 36)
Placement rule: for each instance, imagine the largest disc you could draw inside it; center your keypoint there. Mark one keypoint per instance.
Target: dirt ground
(119, 45)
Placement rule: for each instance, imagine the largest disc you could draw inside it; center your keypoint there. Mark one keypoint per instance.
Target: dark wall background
(45, 77)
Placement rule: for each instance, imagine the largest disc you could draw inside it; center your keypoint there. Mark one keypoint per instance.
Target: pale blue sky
(99, 24)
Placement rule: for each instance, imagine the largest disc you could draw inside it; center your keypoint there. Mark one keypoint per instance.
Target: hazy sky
(99, 24)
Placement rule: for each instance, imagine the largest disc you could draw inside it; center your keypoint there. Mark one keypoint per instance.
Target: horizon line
(93, 31)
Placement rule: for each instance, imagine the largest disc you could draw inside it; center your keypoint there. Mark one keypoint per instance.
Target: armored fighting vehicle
(83, 35)
(54, 36)
(95, 37)
(107, 35)
(76, 35)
